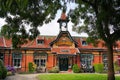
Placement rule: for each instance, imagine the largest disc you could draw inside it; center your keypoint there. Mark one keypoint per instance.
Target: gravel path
(22, 77)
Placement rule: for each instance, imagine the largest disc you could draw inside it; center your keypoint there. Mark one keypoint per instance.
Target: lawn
(74, 77)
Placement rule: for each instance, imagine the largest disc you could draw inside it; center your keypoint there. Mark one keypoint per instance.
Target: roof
(1, 42)
(50, 40)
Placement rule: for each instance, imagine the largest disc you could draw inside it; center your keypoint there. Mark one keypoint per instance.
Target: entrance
(63, 63)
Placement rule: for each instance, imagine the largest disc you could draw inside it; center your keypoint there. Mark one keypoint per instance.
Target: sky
(52, 28)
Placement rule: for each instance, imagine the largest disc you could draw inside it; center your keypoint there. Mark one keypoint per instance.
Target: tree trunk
(111, 75)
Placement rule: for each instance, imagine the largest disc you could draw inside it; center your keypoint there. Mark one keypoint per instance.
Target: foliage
(116, 66)
(100, 20)
(54, 70)
(75, 68)
(3, 71)
(11, 69)
(40, 69)
(99, 68)
(18, 13)
(32, 66)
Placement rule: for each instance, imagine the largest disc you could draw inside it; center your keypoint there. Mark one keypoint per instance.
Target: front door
(63, 64)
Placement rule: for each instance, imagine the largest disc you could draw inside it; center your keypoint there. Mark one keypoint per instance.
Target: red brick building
(62, 50)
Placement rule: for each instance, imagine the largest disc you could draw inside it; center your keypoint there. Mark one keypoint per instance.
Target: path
(22, 77)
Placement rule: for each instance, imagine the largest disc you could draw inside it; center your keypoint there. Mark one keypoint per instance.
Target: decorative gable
(64, 39)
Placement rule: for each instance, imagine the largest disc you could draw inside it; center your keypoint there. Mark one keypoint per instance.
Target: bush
(75, 68)
(116, 67)
(3, 70)
(11, 69)
(54, 70)
(99, 68)
(32, 66)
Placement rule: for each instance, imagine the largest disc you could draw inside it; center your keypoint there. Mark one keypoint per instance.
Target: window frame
(104, 60)
(85, 60)
(17, 60)
(3, 56)
(40, 41)
(39, 57)
(85, 43)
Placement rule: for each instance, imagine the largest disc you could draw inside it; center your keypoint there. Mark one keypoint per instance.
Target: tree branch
(94, 4)
(115, 36)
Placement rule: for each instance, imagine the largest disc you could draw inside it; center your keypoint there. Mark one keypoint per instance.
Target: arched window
(17, 57)
(40, 59)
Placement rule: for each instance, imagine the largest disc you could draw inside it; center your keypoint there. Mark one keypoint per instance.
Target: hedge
(99, 68)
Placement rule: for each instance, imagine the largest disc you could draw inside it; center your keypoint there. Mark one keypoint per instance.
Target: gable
(64, 39)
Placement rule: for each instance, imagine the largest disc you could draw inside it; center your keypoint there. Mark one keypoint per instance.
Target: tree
(100, 17)
(101, 20)
(18, 13)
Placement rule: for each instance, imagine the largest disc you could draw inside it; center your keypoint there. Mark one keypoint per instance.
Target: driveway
(22, 77)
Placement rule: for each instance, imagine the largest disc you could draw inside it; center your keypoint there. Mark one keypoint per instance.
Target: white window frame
(39, 58)
(16, 58)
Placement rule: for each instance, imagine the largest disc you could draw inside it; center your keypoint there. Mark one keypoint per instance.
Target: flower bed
(11, 70)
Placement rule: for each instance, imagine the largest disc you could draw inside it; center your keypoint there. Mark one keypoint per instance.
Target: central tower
(63, 22)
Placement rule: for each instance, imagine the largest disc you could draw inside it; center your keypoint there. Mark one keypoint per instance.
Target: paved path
(22, 77)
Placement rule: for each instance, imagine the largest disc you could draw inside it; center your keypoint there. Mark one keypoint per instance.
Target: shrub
(116, 67)
(99, 68)
(32, 66)
(75, 68)
(11, 69)
(54, 70)
(3, 70)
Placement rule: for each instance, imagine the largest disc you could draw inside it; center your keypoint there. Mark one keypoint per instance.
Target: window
(84, 43)
(119, 60)
(40, 41)
(2, 56)
(104, 59)
(40, 59)
(86, 59)
(17, 60)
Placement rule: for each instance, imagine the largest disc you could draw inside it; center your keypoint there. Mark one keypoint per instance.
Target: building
(63, 51)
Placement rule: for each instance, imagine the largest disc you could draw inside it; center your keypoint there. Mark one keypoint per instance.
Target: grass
(74, 77)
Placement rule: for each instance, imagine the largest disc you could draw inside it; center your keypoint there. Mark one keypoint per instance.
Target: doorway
(63, 63)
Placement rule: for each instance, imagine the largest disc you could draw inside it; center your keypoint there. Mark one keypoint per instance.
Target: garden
(100, 74)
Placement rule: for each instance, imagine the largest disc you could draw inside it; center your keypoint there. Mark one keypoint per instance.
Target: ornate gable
(64, 39)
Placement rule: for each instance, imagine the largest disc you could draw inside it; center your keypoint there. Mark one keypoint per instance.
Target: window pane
(17, 59)
(104, 58)
(40, 59)
(2, 56)
(86, 59)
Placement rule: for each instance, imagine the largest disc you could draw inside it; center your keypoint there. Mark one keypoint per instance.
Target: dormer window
(40, 41)
(84, 43)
